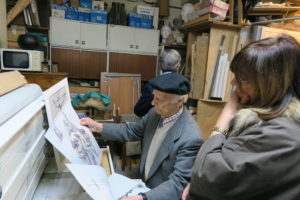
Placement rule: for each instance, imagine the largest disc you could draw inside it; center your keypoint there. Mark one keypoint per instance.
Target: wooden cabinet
(76, 34)
(44, 80)
(208, 43)
(132, 63)
(124, 99)
(79, 64)
(133, 40)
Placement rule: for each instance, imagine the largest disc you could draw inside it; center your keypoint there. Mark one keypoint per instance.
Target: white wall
(3, 29)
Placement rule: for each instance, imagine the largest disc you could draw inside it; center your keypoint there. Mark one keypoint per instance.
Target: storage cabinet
(82, 49)
(124, 99)
(76, 34)
(133, 40)
(79, 64)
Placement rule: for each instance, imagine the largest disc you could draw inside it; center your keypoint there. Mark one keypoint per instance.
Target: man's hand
(185, 192)
(92, 125)
(136, 197)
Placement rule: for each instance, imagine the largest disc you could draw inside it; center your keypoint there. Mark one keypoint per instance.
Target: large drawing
(74, 141)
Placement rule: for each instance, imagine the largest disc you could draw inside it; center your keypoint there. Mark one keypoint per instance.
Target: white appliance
(22, 60)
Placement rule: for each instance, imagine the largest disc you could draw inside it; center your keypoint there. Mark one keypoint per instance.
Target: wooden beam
(18, 8)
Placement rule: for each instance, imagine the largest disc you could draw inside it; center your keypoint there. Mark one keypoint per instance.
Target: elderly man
(169, 62)
(170, 139)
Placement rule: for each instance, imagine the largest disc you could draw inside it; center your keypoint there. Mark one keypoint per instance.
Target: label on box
(146, 10)
(98, 5)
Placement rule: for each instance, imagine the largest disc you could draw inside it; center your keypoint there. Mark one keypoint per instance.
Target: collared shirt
(174, 117)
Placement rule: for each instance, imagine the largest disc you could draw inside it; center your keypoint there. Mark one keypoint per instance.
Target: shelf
(205, 22)
(174, 46)
(272, 11)
(37, 28)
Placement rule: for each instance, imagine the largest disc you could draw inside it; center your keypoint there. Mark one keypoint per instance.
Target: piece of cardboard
(10, 81)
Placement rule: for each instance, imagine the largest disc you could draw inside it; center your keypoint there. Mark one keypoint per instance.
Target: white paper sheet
(95, 182)
(74, 141)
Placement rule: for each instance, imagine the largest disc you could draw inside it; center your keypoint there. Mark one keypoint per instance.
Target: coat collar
(248, 117)
(173, 135)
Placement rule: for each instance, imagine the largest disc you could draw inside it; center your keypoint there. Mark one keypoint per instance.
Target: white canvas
(96, 183)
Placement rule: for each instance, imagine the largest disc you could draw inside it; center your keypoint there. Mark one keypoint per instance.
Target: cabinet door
(68, 61)
(93, 36)
(65, 33)
(126, 98)
(92, 64)
(146, 41)
(121, 38)
(131, 63)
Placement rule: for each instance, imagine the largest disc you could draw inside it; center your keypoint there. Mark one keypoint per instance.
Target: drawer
(18, 147)
(20, 175)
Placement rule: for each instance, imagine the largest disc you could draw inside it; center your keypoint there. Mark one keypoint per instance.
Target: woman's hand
(136, 197)
(92, 125)
(185, 192)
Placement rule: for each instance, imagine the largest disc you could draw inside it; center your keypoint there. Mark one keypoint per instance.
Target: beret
(172, 83)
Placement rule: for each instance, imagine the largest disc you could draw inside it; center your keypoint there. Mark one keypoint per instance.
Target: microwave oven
(22, 60)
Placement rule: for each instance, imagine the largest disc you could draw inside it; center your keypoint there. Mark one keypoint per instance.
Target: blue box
(134, 19)
(71, 13)
(99, 16)
(146, 21)
(86, 4)
(83, 16)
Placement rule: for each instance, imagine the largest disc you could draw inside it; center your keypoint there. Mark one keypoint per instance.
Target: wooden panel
(124, 98)
(68, 61)
(207, 115)
(44, 80)
(79, 64)
(199, 68)
(132, 63)
(92, 64)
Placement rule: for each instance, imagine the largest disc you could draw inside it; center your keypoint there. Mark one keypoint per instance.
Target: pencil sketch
(74, 141)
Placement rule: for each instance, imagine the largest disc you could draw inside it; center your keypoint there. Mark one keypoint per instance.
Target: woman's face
(244, 91)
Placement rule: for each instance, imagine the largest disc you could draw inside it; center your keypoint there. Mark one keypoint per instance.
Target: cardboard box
(145, 10)
(10, 81)
(86, 4)
(71, 13)
(75, 3)
(98, 5)
(84, 14)
(146, 21)
(134, 20)
(58, 11)
(218, 3)
(14, 32)
(99, 16)
(215, 7)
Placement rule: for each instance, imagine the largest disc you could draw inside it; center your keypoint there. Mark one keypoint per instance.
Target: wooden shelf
(205, 22)
(272, 11)
(174, 46)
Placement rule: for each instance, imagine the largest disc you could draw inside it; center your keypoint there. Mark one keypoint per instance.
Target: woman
(254, 149)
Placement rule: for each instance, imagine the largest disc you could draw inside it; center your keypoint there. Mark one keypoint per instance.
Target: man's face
(165, 106)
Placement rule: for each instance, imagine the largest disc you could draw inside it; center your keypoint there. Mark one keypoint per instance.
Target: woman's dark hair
(272, 67)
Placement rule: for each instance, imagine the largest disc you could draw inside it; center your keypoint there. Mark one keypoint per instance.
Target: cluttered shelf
(272, 10)
(205, 22)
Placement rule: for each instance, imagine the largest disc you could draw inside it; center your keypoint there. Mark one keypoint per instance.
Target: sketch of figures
(83, 146)
(74, 141)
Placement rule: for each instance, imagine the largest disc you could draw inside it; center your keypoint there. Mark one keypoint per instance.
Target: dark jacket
(143, 105)
(259, 160)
